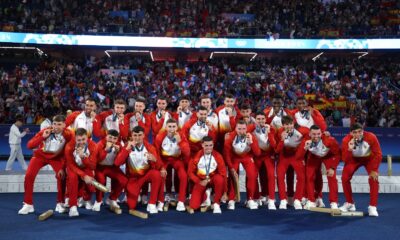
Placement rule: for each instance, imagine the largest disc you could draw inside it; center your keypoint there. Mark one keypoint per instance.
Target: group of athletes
(202, 149)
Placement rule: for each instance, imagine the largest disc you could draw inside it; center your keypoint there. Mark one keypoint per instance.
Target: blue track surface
(239, 224)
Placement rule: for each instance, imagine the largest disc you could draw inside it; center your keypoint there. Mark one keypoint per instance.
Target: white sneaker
(152, 209)
(259, 202)
(26, 209)
(231, 205)
(320, 202)
(96, 207)
(348, 207)
(271, 204)
(264, 201)
(290, 201)
(334, 205)
(297, 205)
(81, 202)
(73, 211)
(88, 205)
(309, 205)
(303, 201)
(252, 204)
(108, 201)
(60, 208)
(372, 211)
(216, 208)
(180, 207)
(66, 203)
(160, 206)
(144, 200)
(283, 204)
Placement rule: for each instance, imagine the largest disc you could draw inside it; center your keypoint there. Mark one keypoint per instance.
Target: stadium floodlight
(362, 54)
(238, 53)
(318, 55)
(107, 52)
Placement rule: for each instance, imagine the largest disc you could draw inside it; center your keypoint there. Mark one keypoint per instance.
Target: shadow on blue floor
(239, 224)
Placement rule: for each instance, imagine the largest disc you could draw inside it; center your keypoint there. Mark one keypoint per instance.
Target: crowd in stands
(344, 90)
(205, 18)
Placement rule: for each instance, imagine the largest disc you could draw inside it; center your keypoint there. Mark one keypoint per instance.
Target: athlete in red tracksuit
(83, 119)
(240, 148)
(361, 148)
(107, 150)
(321, 149)
(49, 144)
(197, 128)
(289, 139)
(174, 150)
(113, 119)
(160, 116)
(212, 117)
(139, 117)
(80, 156)
(226, 119)
(183, 112)
(207, 169)
(143, 164)
(266, 141)
(274, 116)
(306, 116)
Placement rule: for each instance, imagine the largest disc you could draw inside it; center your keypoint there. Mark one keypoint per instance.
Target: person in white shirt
(14, 140)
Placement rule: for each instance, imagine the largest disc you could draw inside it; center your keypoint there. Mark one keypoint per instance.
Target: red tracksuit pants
(118, 181)
(251, 177)
(313, 167)
(180, 171)
(267, 179)
(34, 167)
(217, 182)
(135, 183)
(349, 169)
(76, 186)
(281, 169)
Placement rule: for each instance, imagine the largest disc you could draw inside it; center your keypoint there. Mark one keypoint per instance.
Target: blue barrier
(389, 138)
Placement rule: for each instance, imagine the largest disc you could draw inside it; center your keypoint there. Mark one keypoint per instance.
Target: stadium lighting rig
(318, 55)
(362, 54)
(254, 54)
(107, 52)
(39, 51)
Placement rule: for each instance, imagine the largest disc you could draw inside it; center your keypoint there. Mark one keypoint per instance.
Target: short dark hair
(315, 127)
(19, 118)
(91, 100)
(140, 99)
(113, 132)
(245, 106)
(120, 101)
(138, 129)
(202, 108)
(229, 95)
(205, 97)
(171, 120)
(287, 120)
(80, 132)
(260, 113)
(302, 98)
(241, 121)
(278, 96)
(162, 98)
(59, 118)
(356, 126)
(186, 97)
(207, 139)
